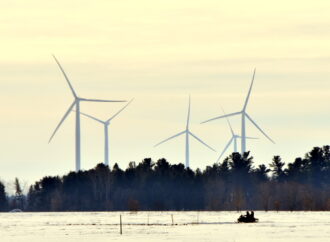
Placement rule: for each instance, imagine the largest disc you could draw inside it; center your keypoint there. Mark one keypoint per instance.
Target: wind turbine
(233, 138)
(75, 103)
(187, 134)
(106, 124)
(244, 115)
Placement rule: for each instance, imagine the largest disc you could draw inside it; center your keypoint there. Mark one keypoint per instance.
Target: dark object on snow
(16, 210)
(248, 218)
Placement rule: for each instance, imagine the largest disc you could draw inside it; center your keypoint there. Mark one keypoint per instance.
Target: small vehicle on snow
(248, 218)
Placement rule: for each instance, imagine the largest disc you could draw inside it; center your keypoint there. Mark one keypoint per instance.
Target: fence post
(121, 229)
(172, 219)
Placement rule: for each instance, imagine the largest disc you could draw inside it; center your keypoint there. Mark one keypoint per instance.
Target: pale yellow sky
(159, 52)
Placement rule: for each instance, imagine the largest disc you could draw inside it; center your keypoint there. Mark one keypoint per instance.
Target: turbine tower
(75, 103)
(106, 124)
(187, 133)
(233, 138)
(244, 115)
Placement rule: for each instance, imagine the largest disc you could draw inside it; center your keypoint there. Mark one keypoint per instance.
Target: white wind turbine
(244, 114)
(75, 103)
(187, 134)
(233, 139)
(106, 124)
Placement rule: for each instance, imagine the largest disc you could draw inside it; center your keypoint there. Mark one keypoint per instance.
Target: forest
(233, 184)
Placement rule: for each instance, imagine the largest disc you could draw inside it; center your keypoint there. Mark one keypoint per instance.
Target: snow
(188, 226)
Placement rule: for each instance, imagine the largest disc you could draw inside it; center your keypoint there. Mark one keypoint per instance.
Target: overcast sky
(160, 52)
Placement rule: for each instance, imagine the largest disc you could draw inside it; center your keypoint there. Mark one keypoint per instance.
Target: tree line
(233, 184)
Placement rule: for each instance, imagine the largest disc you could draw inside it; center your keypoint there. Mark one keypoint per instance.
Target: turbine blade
(170, 138)
(120, 110)
(225, 149)
(222, 116)
(198, 139)
(249, 93)
(188, 117)
(65, 76)
(257, 126)
(102, 100)
(90, 116)
(62, 120)
(229, 124)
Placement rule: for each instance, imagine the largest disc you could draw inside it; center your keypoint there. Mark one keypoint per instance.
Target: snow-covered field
(188, 226)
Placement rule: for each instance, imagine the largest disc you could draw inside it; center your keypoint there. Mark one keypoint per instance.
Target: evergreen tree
(277, 168)
(3, 198)
(19, 197)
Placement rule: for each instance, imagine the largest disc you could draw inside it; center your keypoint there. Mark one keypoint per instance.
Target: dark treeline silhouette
(3, 198)
(234, 184)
